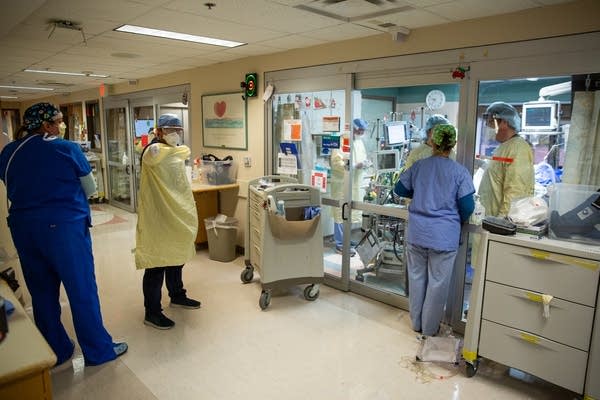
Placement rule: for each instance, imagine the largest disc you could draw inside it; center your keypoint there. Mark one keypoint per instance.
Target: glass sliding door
(119, 155)
(395, 117)
(311, 125)
(553, 111)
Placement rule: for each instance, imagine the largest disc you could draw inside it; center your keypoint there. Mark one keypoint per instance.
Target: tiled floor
(340, 346)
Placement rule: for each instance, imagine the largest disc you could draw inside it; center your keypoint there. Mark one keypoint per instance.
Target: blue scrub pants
(429, 275)
(152, 286)
(51, 253)
(338, 234)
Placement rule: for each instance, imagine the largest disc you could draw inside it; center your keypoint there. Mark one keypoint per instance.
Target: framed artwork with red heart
(224, 121)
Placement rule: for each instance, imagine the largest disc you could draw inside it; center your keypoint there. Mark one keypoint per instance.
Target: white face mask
(172, 139)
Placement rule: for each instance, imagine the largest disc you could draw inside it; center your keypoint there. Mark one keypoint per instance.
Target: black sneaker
(158, 321)
(186, 302)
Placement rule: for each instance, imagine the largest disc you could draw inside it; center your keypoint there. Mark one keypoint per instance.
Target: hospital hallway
(341, 346)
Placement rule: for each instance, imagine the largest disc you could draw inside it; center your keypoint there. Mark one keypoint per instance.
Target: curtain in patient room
(582, 156)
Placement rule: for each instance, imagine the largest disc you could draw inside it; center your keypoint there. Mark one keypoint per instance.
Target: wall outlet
(247, 162)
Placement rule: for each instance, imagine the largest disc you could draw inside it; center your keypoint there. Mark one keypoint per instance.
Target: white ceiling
(28, 40)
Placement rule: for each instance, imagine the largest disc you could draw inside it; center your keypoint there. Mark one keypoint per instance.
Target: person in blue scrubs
(48, 181)
(442, 199)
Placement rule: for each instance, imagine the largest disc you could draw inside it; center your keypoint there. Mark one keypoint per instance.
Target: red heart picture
(220, 107)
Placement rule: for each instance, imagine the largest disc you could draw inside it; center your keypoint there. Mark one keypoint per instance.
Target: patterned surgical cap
(38, 113)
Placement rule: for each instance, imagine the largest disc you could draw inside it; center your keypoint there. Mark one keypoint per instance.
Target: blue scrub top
(437, 183)
(43, 179)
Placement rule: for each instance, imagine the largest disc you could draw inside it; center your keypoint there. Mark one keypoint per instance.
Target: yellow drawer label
(529, 338)
(534, 297)
(544, 255)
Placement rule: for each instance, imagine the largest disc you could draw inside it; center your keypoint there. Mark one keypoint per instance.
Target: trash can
(222, 234)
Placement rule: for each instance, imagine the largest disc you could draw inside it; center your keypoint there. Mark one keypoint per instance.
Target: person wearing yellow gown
(167, 221)
(509, 174)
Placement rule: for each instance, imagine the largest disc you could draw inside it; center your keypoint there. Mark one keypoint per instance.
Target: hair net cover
(506, 112)
(434, 120)
(360, 123)
(444, 132)
(38, 113)
(169, 121)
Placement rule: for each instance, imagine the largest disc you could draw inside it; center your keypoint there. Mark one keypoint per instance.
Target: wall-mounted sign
(331, 123)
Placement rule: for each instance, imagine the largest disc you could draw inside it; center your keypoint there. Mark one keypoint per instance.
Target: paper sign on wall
(287, 164)
(292, 129)
(331, 123)
(318, 179)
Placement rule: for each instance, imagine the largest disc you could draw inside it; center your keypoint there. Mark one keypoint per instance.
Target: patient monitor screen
(387, 161)
(396, 134)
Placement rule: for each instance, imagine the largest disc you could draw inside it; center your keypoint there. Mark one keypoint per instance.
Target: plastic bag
(441, 349)
(528, 211)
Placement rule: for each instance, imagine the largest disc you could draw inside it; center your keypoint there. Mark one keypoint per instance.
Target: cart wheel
(247, 275)
(311, 292)
(265, 300)
(471, 369)
(360, 278)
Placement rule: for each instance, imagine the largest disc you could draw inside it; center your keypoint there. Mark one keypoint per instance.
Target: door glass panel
(73, 118)
(119, 156)
(558, 122)
(311, 125)
(395, 117)
(11, 121)
(94, 132)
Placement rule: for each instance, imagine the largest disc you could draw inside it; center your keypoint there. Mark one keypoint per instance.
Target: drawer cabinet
(567, 277)
(568, 323)
(534, 307)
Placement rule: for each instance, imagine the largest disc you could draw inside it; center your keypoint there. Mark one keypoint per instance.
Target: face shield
(489, 128)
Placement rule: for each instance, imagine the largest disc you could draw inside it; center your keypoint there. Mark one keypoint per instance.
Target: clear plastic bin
(219, 172)
(572, 215)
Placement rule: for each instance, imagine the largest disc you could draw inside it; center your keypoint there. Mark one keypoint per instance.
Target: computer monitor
(387, 161)
(540, 116)
(395, 133)
(142, 126)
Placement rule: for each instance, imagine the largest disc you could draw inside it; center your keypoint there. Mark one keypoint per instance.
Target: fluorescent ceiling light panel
(26, 87)
(8, 97)
(140, 30)
(44, 71)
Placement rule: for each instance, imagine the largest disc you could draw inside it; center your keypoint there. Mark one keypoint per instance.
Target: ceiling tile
(459, 10)
(256, 13)
(341, 31)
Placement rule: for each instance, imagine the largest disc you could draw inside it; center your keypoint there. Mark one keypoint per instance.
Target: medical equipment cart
(535, 307)
(285, 249)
